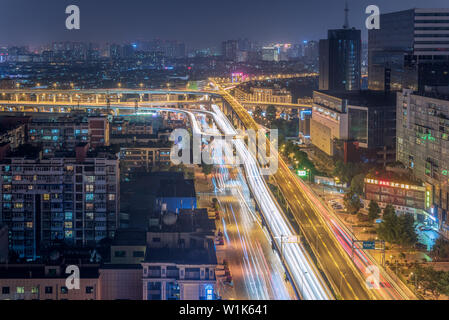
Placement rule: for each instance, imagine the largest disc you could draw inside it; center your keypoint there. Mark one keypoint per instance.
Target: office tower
(270, 54)
(311, 49)
(340, 59)
(229, 49)
(354, 125)
(410, 50)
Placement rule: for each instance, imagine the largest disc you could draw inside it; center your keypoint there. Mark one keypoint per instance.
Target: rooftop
(195, 256)
(187, 221)
(178, 188)
(37, 271)
(365, 98)
(130, 237)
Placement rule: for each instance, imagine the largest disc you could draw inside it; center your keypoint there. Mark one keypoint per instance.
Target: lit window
(111, 197)
(90, 179)
(20, 289)
(89, 188)
(18, 205)
(34, 290)
(89, 197)
(29, 225)
(68, 215)
(46, 197)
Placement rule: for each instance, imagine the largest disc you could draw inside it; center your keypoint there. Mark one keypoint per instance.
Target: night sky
(199, 23)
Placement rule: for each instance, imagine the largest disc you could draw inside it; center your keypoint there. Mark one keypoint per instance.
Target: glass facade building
(340, 60)
(410, 50)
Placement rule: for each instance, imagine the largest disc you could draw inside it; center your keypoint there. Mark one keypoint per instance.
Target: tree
(342, 171)
(373, 211)
(429, 279)
(440, 250)
(396, 229)
(352, 202)
(215, 203)
(387, 228)
(357, 183)
(271, 113)
(407, 236)
(206, 169)
(258, 112)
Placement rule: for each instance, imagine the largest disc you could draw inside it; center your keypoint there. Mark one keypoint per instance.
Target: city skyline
(197, 26)
(224, 151)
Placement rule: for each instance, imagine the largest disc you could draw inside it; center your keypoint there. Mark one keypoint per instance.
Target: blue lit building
(176, 194)
(340, 60)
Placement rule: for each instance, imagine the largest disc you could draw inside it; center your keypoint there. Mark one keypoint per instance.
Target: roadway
(305, 277)
(339, 269)
(303, 273)
(256, 269)
(346, 281)
(330, 241)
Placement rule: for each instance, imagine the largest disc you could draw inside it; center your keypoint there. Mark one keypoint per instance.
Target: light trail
(389, 289)
(306, 277)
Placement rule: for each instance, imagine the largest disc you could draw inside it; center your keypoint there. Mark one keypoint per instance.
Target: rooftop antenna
(346, 25)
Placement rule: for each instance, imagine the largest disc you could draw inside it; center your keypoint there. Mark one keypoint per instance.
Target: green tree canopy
(396, 229)
(373, 210)
(440, 250)
(206, 169)
(352, 202)
(357, 183)
(271, 113)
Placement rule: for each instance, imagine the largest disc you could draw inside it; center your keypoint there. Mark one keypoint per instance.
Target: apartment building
(180, 259)
(73, 197)
(65, 132)
(264, 95)
(47, 282)
(423, 145)
(144, 158)
(13, 130)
